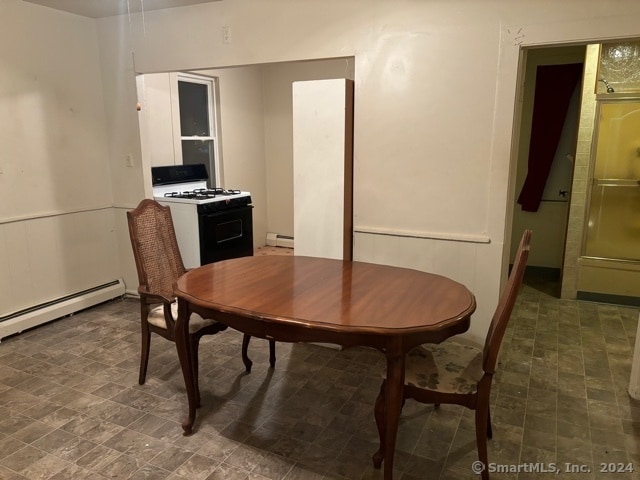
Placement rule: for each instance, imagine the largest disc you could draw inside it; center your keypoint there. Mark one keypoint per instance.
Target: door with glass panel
(613, 229)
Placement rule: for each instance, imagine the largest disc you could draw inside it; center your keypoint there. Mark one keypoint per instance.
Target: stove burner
(202, 193)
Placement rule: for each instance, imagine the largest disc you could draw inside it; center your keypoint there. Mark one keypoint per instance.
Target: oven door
(226, 234)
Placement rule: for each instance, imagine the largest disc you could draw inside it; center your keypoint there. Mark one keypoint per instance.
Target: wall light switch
(226, 34)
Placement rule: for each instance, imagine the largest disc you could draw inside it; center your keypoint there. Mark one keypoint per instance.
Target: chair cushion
(450, 367)
(196, 322)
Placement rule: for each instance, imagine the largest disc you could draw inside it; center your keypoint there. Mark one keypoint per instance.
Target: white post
(634, 382)
(322, 168)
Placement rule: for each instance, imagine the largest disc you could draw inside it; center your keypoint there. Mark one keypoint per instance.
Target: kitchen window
(197, 141)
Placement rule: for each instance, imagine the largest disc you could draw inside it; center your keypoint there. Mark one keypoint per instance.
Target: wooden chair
(159, 265)
(457, 373)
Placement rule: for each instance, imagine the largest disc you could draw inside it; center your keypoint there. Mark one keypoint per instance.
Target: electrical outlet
(226, 34)
(129, 160)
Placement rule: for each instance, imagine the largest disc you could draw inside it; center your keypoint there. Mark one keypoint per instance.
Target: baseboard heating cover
(21, 320)
(277, 240)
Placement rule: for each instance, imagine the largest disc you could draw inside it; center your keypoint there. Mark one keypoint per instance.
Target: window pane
(200, 151)
(194, 109)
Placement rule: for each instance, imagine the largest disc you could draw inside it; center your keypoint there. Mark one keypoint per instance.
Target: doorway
(545, 168)
(586, 274)
(255, 144)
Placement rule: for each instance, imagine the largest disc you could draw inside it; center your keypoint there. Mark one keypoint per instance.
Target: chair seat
(196, 322)
(449, 367)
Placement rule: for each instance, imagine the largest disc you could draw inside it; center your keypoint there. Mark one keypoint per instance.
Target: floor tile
(71, 406)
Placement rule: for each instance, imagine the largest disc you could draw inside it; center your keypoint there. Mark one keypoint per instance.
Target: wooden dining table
(308, 299)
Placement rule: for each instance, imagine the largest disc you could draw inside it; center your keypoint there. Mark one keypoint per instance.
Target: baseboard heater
(21, 320)
(277, 240)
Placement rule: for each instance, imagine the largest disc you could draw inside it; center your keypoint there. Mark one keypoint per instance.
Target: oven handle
(225, 211)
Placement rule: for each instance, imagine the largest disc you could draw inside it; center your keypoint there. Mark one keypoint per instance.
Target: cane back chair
(159, 265)
(457, 373)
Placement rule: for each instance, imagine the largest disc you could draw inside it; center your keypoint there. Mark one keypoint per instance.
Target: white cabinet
(156, 118)
(323, 168)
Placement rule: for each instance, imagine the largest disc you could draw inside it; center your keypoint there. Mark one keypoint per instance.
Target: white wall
(435, 99)
(435, 89)
(57, 228)
(130, 184)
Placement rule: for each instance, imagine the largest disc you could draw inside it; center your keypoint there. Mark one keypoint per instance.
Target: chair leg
(245, 357)
(482, 419)
(489, 430)
(144, 352)
(272, 353)
(378, 410)
(195, 343)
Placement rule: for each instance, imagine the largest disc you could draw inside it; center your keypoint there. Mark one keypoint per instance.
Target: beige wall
(257, 142)
(435, 89)
(242, 129)
(129, 184)
(57, 227)
(278, 80)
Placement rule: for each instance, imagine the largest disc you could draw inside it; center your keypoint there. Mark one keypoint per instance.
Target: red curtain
(554, 87)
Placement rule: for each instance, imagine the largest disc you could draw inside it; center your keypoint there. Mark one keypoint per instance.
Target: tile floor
(70, 405)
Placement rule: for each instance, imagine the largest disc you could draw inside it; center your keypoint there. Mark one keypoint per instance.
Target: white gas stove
(211, 224)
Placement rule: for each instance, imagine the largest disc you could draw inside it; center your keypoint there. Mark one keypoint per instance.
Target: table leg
(185, 355)
(393, 407)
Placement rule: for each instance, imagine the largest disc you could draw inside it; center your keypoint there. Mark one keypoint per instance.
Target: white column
(322, 168)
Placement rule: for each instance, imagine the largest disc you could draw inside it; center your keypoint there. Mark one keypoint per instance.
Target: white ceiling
(108, 8)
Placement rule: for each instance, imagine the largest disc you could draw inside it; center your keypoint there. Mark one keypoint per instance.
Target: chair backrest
(155, 248)
(505, 305)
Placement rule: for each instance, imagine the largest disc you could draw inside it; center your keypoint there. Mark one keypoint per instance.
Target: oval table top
(329, 294)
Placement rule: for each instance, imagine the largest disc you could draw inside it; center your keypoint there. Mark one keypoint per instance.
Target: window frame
(214, 123)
